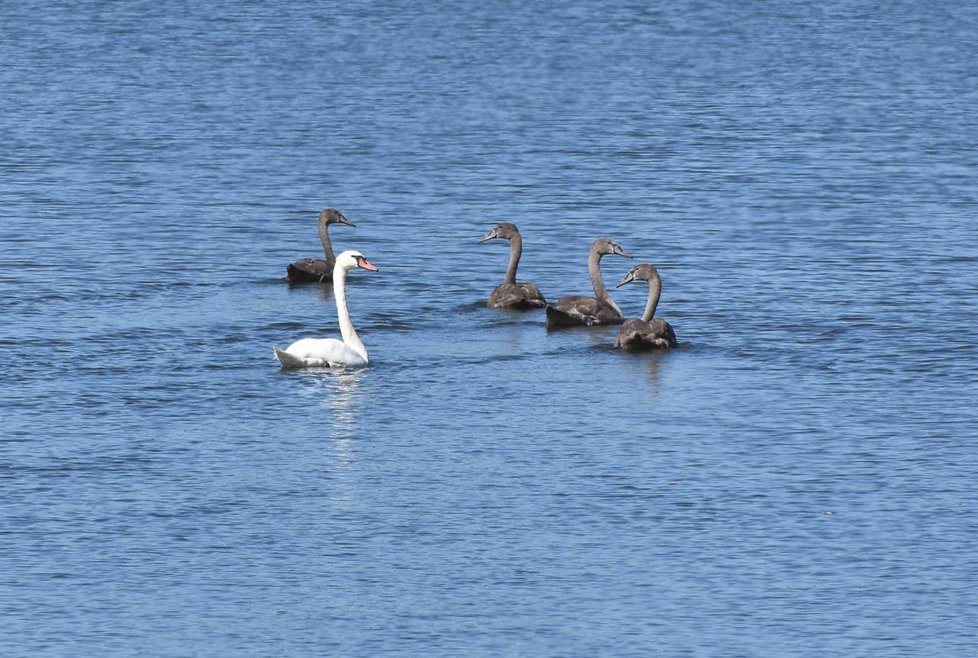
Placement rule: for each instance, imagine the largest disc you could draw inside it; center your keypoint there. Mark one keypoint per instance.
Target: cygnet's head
(351, 259)
(333, 216)
(605, 246)
(642, 272)
(503, 230)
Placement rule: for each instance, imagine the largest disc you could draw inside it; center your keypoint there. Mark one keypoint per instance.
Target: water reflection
(338, 393)
(344, 395)
(653, 369)
(339, 390)
(653, 364)
(602, 335)
(325, 289)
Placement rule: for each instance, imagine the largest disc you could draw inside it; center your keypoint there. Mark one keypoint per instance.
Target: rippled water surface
(796, 479)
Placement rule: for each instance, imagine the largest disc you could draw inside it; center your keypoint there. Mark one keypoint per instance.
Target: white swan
(329, 352)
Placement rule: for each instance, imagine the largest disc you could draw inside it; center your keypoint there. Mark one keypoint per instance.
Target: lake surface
(798, 478)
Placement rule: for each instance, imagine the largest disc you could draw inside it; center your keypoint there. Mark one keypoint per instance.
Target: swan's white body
(320, 353)
(330, 352)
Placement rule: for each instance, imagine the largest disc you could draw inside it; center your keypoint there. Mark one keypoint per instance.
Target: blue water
(798, 478)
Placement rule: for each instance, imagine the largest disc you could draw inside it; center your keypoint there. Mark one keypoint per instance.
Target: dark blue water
(797, 479)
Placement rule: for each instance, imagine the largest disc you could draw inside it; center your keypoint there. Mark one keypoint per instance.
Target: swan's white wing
(320, 352)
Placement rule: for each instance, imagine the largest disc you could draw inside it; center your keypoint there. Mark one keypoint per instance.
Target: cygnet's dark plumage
(580, 310)
(318, 270)
(649, 333)
(510, 294)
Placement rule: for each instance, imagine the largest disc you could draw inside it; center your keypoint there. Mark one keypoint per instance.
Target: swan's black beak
(344, 220)
(628, 278)
(489, 236)
(622, 252)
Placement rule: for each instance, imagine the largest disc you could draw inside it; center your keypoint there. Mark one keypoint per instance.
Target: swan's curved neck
(343, 314)
(655, 290)
(327, 247)
(600, 292)
(515, 251)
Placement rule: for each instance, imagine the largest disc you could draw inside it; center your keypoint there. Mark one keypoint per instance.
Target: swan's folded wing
(288, 361)
(664, 332)
(322, 352)
(580, 310)
(571, 311)
(534, 297)
(634, 334)
(310, 269)
(639, 335)
(517, 296)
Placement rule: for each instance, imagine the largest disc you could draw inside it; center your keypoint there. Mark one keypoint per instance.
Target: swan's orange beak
(366, 264)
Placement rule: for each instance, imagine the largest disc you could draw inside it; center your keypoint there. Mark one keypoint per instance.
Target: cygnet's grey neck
(594, 271)
(324, 238)
(515, 251)
(655, 290)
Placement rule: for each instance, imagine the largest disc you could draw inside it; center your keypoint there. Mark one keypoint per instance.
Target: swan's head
(504, 230)
(605, 246)
(333, 216)
(643, 272)
(352, 259)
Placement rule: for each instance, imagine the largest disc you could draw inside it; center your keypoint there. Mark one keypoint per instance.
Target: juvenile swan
(577, 310)
(645, 334)
(306, 270)
(329, 352)
(509, 294)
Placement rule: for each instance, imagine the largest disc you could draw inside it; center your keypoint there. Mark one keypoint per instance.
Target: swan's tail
(557, 318)
(288, 361)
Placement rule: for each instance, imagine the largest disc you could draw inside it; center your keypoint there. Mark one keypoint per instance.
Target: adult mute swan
(329, 352)
(645, 334)
(509, 294)
(577, 310)
(307, 270)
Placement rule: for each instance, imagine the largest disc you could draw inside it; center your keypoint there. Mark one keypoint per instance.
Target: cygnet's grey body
(580, 310)
(648, 333)
(318, 270)
(509, 293)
